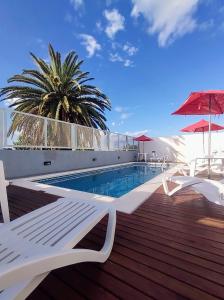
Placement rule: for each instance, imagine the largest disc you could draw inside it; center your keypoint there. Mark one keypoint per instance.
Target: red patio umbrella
(202, 126)
(203, 103)
(143, 138)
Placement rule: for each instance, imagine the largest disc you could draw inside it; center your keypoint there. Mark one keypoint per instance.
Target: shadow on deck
(169, 248)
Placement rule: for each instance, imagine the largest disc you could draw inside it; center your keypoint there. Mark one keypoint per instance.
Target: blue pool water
(113, 182)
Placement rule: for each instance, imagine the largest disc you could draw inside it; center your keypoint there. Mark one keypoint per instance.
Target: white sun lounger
(42, 240)
(211, 189)
(192, 169)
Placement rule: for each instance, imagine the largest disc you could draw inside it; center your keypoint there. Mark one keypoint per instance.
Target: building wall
(183, 148)
(22, 163)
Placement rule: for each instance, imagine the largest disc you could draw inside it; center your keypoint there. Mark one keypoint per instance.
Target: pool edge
(127, 203)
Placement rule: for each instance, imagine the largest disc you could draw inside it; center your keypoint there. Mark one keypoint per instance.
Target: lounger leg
(165, 186)
(106, 250)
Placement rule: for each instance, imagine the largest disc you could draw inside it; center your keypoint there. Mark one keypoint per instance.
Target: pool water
(113, 182)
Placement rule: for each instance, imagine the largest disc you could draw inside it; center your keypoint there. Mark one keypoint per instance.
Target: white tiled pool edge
(127, 203)
(132, 200)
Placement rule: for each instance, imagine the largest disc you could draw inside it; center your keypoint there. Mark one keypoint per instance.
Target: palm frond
(58, 89)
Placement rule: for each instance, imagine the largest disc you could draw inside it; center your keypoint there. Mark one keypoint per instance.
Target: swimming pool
(113, 182)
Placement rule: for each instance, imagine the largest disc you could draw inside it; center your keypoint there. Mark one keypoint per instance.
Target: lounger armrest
(47, 261)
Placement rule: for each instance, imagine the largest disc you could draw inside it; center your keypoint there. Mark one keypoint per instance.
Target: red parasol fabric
(202, 126)
(143, 138)
(203, 103)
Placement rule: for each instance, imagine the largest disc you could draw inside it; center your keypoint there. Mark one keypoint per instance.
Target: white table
(143, 155)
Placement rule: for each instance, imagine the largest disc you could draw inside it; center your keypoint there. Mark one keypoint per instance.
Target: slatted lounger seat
(42, 240)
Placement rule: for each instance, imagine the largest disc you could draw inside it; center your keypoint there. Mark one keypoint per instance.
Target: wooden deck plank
(168, 259)
(57, 289)
(169, 248)
(111, 283)
(171, 271)
(181, 235)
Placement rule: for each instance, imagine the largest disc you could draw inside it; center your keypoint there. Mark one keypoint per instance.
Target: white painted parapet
(184, 148)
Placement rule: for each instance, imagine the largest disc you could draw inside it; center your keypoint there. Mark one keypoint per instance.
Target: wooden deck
(170, 248)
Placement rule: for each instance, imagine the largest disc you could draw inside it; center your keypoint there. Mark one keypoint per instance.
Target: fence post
(126, 147)
(93, 139)
(5, 128)
(45, 133)
(2, 128)
(118, 142)
(108, 141)
(73, 137)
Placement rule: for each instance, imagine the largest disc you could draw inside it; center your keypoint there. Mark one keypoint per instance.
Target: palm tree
(57, 90)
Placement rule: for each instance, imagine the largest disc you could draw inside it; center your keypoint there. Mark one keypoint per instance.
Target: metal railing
(20, 130)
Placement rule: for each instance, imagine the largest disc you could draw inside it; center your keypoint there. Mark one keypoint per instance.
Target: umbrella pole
(209, 141)
(203, 143)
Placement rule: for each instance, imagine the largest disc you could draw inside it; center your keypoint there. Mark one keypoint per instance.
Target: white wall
(22, 163)
(183, 148)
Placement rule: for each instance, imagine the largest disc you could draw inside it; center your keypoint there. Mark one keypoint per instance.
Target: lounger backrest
(3, 195)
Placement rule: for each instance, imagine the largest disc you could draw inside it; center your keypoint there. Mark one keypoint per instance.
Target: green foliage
(58, 90)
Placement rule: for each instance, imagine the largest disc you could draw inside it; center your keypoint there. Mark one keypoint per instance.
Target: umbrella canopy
(143, 138)
(202, 126)
(203, 103)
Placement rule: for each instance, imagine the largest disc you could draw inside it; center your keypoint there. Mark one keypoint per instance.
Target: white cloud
(124, 113)
(136, 133)
(77, 4)
(127, 49)
(169, 19)
(113, 124)
(128, 63)
(115, 57)
(130, 49)
(115, 22)
(90, 43)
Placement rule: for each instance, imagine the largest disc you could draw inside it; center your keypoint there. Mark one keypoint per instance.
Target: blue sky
(146, 55)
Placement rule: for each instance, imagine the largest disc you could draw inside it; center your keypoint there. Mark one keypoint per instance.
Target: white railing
(36, 132)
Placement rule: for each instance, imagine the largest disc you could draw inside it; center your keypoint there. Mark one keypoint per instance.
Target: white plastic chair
(42, 240)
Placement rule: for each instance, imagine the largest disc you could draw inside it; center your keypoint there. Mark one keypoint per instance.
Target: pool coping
(127, 203)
